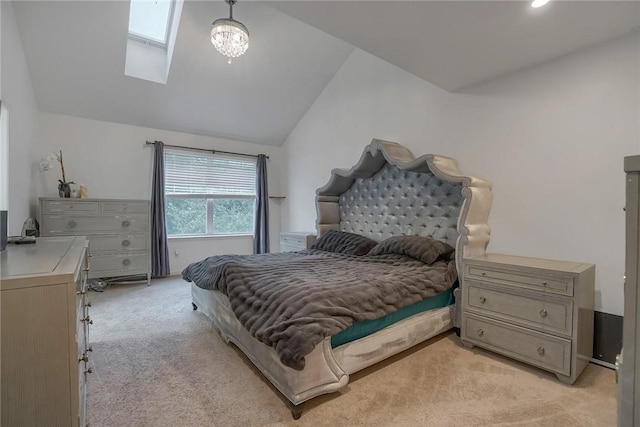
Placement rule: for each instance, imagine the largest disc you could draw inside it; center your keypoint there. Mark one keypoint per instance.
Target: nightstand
(291, 241)
(535, 310)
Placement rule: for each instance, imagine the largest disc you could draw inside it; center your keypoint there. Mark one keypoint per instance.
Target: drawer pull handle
(90, 349)
(483, 300)
(88, 304)
(483, 273)
(126, 223)
(543, 313)
(87, 320)
(89, 371)
(126, 243)
(81, 292)
(84, 358)
(541, 351)
(71, 224)
(480, 332)
(126, 262)
(544, 283)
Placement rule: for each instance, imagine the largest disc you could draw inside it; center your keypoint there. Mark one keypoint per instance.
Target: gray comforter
(292, 301)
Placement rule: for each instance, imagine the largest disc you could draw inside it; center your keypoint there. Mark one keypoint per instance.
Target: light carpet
(156, 362)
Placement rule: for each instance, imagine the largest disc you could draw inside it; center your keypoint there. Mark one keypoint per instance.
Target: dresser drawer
(119, 263)
(124, 207)
(536, 348)
(63, 206)
(558, 285)
(285, 247)
(55, 225)
(530, 310)
(119, 243)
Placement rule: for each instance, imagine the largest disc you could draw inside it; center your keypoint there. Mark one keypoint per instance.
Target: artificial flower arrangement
(64, 187)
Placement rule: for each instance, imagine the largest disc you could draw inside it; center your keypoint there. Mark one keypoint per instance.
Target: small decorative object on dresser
(118, 232)
(64, 186)
(296, 241)
(535, 310)
(45, 321)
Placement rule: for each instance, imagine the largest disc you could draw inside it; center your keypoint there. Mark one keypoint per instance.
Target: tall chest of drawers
(118, 232)
(534, 310)
(45, 356)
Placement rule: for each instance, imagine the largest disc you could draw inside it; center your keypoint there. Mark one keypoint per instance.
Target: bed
(389, 198)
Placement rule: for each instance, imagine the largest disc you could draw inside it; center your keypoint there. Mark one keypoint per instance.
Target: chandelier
(229, 36)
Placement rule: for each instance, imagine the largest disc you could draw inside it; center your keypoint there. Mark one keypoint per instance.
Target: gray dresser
(628, 364)
(118, 232)
(535, 310)
(291, 241)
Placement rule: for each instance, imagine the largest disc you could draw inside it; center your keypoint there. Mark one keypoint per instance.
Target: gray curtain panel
(261, 229)
(159, 246)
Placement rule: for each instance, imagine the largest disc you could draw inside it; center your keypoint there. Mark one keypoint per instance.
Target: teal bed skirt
(368, 327)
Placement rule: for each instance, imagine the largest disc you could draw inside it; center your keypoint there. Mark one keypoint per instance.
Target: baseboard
(607, 336)
(601, 363)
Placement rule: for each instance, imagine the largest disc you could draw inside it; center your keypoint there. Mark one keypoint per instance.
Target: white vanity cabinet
(44, 317)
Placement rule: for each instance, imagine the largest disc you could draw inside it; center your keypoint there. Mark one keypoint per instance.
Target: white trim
(207, 236)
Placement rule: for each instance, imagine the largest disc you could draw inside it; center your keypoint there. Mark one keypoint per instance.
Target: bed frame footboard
(326, 369)
(321, 375)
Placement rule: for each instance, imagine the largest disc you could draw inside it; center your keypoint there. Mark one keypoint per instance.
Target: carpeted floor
(157, 362)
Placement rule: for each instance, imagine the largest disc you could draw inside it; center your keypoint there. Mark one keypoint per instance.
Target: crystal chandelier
(229, 36)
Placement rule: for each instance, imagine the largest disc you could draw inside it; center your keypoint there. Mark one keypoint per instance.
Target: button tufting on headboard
(395, 202)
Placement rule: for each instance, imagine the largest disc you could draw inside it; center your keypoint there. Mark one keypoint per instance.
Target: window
(151, 38)
(208, 194)
(150, 21)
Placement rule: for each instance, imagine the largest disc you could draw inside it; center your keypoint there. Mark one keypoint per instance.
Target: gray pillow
(344, 242)
(425, 249)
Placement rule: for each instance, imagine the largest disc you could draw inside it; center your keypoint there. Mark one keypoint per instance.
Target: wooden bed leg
(296, 410)
(195, 307)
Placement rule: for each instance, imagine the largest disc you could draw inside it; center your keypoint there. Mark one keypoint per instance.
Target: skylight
(150, 20)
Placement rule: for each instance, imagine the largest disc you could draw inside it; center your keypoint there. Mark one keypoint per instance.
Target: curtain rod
(204, 149)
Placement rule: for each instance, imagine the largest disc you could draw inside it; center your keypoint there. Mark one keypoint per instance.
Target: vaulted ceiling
(76, 52)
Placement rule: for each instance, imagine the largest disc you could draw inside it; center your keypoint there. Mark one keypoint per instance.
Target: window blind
(209, 174)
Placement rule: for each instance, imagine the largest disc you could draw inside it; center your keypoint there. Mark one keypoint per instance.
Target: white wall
(551, 139)
(112, 161)
(22, 126)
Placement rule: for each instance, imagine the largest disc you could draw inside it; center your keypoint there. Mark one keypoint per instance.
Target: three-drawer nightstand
(535, 310)
(291, 241)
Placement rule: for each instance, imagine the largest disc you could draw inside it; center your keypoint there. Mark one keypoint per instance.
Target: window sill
(210, 236)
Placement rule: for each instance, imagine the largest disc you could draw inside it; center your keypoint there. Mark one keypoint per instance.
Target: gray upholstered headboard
(389, 192)
(394, 202)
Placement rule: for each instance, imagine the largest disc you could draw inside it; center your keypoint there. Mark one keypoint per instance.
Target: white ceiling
(454, 44)
(76, 51)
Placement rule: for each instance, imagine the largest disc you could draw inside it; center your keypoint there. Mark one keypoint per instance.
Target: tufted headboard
(394, 202)
(389, 192)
